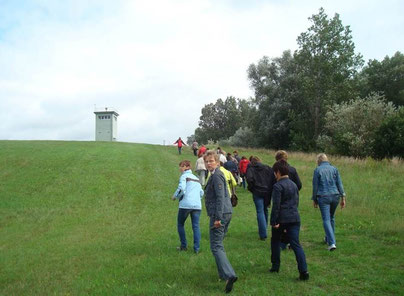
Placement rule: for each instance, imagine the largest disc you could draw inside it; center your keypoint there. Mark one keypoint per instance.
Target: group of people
(278, 185)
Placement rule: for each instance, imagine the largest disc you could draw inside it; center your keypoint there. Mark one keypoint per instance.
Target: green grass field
(93, 218)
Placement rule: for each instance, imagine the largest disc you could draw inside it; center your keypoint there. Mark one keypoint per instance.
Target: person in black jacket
(260, 179)
(285, 215)
(282, 154)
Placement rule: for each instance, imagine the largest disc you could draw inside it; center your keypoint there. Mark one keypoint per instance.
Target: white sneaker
(332, 247)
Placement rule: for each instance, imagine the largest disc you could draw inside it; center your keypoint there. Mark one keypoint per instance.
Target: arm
(219, 187)
(298, 182)
(181, 188)
(276, 205)
(315, 188)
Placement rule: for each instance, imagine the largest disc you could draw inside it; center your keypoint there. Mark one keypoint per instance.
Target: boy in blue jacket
(189, 192)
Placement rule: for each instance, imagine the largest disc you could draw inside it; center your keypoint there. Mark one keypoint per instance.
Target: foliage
(389, 137)
(273, 83)
(386, 76)
(350, 126)
(326, 65)
(221, 119)
(243, 137)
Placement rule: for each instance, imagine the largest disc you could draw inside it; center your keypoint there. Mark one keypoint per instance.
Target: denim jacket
(189, 191)
(326, 181)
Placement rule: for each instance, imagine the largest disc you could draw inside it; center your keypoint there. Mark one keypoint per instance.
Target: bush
(350, 127)
(243, 137)
(389, 137)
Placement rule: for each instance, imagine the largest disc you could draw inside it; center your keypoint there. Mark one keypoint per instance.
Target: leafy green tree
(273, 81)
(243, 137)
(350, 126)
(386, 76)
(326, 66)
(389, 137)
(221, 119)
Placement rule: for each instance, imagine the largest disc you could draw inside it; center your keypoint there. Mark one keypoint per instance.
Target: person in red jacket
(201, 151)
(179, 143)
(243, 169)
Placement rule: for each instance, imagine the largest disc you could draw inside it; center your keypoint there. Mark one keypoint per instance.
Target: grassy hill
(80, 218)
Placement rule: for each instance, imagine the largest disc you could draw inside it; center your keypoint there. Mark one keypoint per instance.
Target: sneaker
(182, 249)
(229, 284)
(304, 276)
(332, 247)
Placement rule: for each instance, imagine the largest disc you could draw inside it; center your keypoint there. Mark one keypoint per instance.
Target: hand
(173, 197)
(343, 202)
(315, 204)
(217, 224)
(276, 226)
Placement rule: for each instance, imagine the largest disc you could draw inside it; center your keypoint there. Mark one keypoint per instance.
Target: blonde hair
(211, 153)
(281, 154)
(321, 157)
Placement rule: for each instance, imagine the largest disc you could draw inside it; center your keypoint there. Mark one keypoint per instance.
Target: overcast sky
(156, 62)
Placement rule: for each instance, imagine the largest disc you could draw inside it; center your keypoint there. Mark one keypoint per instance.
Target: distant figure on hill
(201, 150)
(285, 216)
(219, 209)
(327, 192)
(189, 192)
(243, 164)
(260, 179)
(235, 155)
(195, 147)
(179, 143)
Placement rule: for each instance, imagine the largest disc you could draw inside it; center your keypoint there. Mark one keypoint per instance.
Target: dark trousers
(292, 230)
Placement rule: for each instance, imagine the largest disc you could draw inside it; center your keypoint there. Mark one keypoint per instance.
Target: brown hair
(281, 154)
(255, 159)
(185, 163)
(281, 166)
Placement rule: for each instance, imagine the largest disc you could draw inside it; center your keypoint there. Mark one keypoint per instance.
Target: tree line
(320, 97)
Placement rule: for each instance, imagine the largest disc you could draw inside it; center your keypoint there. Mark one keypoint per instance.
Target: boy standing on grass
(285, 216)
(189, 192)
(219, 210)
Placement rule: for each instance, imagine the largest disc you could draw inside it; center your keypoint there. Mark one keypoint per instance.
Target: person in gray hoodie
(189, 192)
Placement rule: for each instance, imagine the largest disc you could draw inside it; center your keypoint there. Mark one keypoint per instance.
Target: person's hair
(235, 152)
(321, 157)
(243, 157)
(211, 153)
(185, 163)
(255, 159)
(281, 154)
(281, 166)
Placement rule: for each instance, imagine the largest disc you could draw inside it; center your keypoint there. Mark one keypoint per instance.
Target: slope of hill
(96, 218)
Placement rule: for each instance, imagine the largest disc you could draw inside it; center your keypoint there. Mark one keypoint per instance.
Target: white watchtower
(106, 124)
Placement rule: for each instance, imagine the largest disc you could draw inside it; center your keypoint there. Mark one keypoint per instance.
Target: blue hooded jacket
(189, 191)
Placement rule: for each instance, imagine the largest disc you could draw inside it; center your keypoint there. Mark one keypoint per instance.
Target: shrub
(350, 127)
(389, 137)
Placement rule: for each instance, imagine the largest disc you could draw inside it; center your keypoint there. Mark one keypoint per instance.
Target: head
(235, 152)
(281, 154)
(211, 159)
(280, 168)
(184, 165)
(229, 157)
(255, 159)
(321, 157)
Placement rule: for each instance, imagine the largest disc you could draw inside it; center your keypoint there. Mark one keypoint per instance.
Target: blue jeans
(293, 230)
(262, 215)
(179, 150)
(328, 205)
(182, 217)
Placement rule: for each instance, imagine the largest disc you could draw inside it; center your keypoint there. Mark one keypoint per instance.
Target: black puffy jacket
(260, 179)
